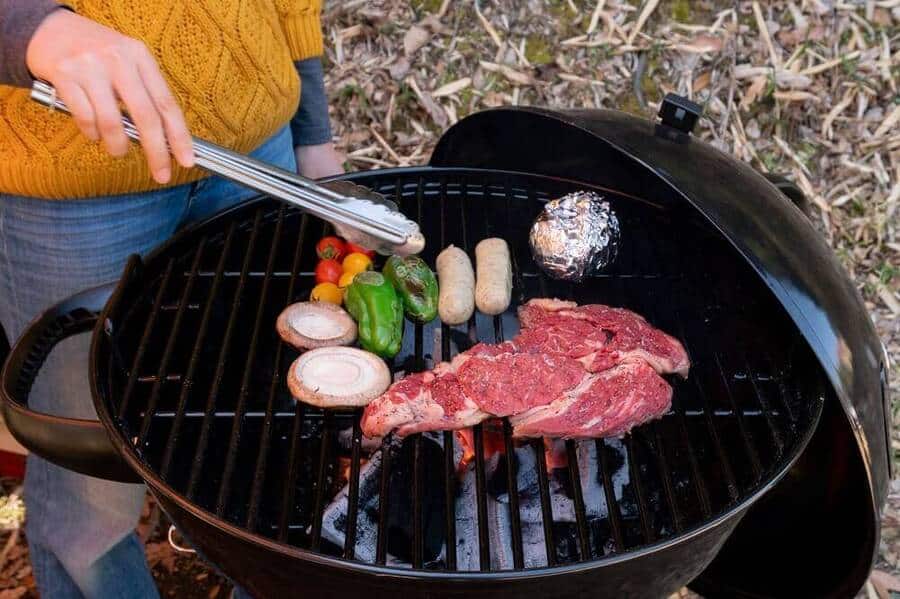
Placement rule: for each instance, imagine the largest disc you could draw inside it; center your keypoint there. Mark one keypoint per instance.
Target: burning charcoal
(617, 460)
(555, 454)
(600, 530)
(400, 530)
(530, 512)
(591, 481)
(345, 441)
(400, 527)
(594, 494)
(467, 553)
(334, 520)
(400, 503)
(565, 535)
(529, 492)
(499, 522)
(498, 483)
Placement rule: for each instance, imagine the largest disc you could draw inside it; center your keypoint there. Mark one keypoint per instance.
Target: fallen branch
(888, 123)
(648, 9)
(488, 27)
(764, 34)
(427, 102)
(514, 76)
(10, 543)
(595, 16)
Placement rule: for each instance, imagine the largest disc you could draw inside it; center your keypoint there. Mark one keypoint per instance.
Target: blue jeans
(81, 529)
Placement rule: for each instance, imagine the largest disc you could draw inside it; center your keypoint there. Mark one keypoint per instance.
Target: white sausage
(493, 288)
(456, 301)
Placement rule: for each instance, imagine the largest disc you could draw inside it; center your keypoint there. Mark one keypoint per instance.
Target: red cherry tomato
(331, 248)
(352, 247)
(328, 271)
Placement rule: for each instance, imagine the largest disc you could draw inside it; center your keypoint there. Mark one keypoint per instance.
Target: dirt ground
(807, 88)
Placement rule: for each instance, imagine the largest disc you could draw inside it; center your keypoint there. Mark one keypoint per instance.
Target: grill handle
(789, 189)
(72, 443)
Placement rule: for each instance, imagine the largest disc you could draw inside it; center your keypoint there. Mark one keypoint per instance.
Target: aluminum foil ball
(575, 236)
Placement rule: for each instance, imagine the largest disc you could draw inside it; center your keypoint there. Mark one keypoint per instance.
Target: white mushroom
(338, 377)
(308, 325)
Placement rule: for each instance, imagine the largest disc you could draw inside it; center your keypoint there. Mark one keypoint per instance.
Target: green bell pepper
(373, 302)
(416, 285)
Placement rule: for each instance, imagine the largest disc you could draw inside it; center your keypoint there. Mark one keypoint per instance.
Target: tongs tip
(415, 243)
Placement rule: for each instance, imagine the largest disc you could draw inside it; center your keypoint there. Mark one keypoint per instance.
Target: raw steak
(510, 383)
(475, 385)
(599, 336)
(576, 339)
(425, 401)
(573, 371)
(607, 404)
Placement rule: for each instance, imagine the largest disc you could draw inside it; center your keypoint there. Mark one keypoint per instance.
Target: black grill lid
(647, 159)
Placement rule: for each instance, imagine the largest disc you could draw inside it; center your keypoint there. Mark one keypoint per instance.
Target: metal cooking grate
(196, 380)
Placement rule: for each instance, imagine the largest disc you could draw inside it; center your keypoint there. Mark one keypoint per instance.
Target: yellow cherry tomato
(346, 279)
(327, 292)
(356, 263)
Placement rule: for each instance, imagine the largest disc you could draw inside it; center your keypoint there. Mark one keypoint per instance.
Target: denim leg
(77, 526)
(80, 529)
(122, 572)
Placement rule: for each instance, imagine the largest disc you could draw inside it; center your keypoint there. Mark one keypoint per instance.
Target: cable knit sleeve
(301, 22)
(18, 21)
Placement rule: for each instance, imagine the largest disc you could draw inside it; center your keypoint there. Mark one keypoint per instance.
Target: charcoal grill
(188, 378)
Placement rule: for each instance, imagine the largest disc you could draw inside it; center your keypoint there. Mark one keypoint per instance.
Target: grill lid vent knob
(679, 113)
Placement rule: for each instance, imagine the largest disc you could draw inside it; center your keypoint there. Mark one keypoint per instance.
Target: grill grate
(204, 399)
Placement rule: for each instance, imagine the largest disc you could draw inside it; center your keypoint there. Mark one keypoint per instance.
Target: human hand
(92, 67)
(319, 161)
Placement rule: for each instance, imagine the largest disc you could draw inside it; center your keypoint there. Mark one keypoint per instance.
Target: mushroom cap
(308, 325)
(338, 377)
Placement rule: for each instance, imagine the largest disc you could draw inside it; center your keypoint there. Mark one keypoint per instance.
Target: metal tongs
(357, 213)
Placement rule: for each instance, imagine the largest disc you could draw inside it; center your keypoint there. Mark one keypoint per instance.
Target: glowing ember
(492, 434)
(343, 467)
(555, 454)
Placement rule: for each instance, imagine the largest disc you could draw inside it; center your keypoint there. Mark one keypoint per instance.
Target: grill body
(267, 571)
(189, 374)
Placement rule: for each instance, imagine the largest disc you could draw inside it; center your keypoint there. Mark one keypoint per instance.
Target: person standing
(76, 199)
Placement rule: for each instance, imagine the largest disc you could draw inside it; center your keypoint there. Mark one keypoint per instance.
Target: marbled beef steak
(598, 335)
(573, 371)
(606, 404)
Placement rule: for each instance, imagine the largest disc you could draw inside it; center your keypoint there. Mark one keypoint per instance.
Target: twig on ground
(648, 9)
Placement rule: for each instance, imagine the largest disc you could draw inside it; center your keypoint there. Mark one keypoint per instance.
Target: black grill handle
(789, 189)
(72, 443)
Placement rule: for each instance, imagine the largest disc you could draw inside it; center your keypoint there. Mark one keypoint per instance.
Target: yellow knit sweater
(229, 63)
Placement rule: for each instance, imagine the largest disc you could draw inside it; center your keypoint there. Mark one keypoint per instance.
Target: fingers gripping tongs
(357, 213)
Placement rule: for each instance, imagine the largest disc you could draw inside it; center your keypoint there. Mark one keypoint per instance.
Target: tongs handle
(279, 183)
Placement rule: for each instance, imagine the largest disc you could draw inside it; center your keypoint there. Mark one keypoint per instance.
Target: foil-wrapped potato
(575, 236)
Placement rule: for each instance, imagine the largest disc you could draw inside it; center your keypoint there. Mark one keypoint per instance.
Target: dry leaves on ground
(807, 88)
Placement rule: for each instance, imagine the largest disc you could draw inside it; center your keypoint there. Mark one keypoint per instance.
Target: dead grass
(807, 88)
